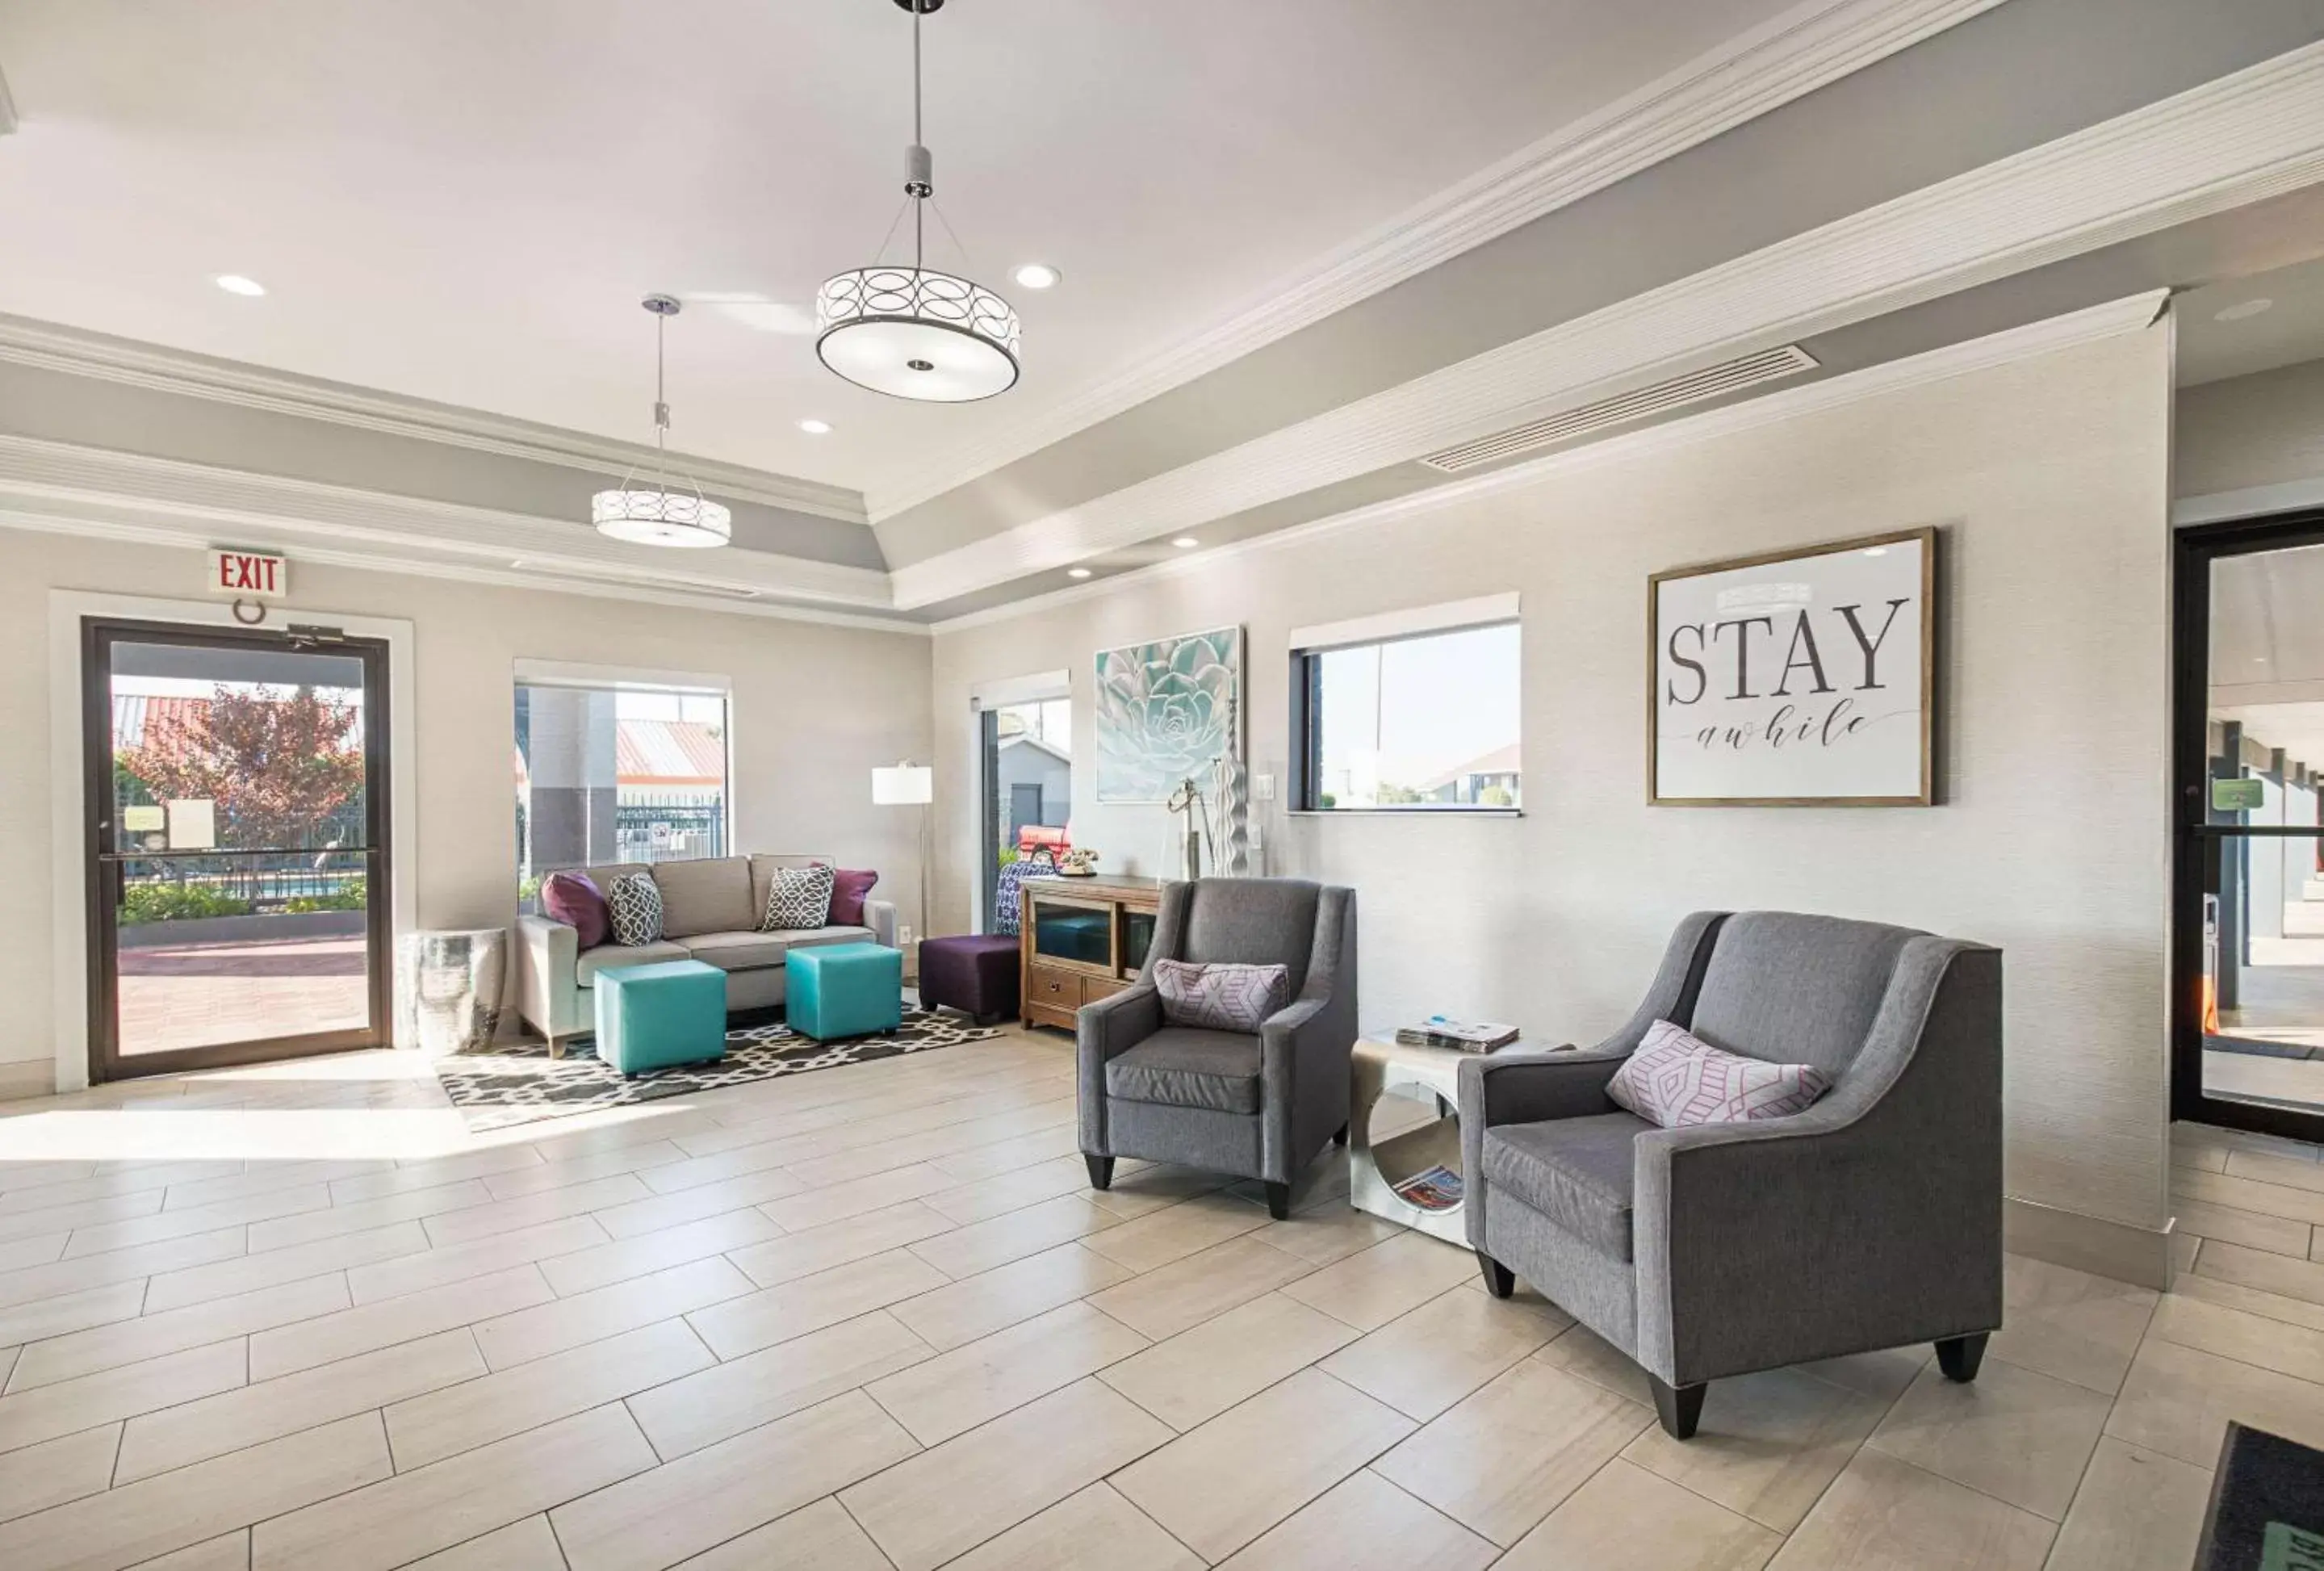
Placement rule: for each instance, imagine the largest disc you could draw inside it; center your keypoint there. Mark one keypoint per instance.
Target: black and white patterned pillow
(633, 901)
(800, 897)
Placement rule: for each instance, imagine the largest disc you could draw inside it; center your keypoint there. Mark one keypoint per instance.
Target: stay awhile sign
(249, 575)
(1793, 679)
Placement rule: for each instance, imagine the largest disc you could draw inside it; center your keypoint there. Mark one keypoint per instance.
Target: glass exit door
(2248, 930)
(236, 785)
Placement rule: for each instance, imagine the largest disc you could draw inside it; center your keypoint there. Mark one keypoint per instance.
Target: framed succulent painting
(1165, 712)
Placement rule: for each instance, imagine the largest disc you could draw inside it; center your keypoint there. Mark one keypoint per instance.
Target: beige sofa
(710, 913)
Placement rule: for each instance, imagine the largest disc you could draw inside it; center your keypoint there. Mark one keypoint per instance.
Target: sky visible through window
(1421, 721)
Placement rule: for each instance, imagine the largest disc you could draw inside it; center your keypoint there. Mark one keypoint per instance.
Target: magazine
(1467, 1036)
(1436, 1189)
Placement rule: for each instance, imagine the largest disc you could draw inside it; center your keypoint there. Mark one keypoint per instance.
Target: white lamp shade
(904, 785)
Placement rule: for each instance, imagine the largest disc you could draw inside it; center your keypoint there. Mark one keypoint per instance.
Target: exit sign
(249, 575)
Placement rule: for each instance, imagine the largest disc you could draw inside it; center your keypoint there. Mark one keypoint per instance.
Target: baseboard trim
(27, 1077)
(2138, 1255)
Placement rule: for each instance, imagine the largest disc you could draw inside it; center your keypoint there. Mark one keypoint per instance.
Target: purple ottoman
(974, 973)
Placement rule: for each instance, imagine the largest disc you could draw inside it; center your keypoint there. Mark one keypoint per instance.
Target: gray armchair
(1871, 1220)
(1256, 1106)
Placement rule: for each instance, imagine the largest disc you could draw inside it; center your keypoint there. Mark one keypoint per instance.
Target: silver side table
(447, 989)
(1427, 1078)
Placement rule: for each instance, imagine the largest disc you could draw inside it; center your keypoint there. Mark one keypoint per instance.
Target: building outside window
(611, 771)
(1422, 722)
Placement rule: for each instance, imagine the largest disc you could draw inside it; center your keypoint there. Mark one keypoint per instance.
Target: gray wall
(2249, 431)
(2050, 477)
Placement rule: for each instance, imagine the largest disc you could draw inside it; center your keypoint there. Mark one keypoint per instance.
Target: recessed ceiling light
(816, 427)
(1185, 542)
(2243, 311)
(234, 283)
(1077, 572)
(1038, 275)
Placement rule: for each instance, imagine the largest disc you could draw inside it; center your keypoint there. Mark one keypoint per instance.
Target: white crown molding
(1784, 58)
(52, 346)
(92, 487)
(2241, 139)
(191, 540)
(2134, 314)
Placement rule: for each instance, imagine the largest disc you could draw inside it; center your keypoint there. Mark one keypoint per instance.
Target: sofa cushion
(571, 898)
(797, 897)
(712, 895)
(736, 951)
(850, 888)
(603, 877)
(762, 878)
(605, 956)
(1182, 1067)
(1575, 1171)
(1795, 989)
(634, 910)
(836, 933)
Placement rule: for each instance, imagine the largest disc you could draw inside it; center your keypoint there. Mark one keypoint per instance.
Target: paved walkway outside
(194, 995)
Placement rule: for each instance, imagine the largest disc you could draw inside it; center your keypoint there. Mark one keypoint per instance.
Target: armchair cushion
(1184, 1067)
(1575, 1171)
(1221, 996)
(1795, 989)
(1676, 1079)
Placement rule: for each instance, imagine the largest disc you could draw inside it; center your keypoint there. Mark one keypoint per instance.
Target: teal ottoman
(651, 1017)
(844, 990)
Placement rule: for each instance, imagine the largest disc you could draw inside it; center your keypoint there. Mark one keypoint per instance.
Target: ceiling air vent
(1694, 387)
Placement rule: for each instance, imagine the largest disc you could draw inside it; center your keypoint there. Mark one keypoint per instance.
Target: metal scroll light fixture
(663, 514)
(908, 331)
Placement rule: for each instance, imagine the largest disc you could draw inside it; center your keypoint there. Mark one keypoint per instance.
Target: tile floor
(873, 1317)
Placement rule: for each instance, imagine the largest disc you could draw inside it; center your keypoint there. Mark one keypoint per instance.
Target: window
(1416, 718)
(616, 769)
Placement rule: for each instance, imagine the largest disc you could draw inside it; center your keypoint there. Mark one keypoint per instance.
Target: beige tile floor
(872, 1317)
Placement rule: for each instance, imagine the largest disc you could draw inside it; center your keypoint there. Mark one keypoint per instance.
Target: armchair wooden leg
(1101, 1171)
(1499, 1279)
(1278, 1201)
(1959, 1356)
(1680, 1407)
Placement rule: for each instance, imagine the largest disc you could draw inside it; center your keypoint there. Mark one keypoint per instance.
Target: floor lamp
(910, 785)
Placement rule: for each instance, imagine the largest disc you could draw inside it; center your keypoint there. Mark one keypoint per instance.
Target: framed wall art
(1166, 712)
(1801, 677)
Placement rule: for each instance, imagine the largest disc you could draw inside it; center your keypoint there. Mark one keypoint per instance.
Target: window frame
(1309, 645)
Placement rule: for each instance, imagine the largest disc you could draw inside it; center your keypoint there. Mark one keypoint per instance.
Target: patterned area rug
(522, 1084)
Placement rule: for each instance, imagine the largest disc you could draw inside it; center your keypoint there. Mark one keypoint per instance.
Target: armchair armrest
(1102, 1030)
(880, 916)
(1523, 1088)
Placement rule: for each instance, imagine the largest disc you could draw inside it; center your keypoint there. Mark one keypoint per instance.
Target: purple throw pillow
(1676, 1079)
(571, 898)
(847, 892)
(1220, 997)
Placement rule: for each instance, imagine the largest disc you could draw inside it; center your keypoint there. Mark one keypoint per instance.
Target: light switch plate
(1262, 788)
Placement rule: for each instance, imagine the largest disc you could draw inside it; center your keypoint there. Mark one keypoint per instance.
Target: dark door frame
(100, 865)
(2196, 842)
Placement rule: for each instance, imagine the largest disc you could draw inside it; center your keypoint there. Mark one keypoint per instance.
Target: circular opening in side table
(1413, 1141)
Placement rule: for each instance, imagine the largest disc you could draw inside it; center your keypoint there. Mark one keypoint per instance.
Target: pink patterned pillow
(1676, 1079)
(1220, 997)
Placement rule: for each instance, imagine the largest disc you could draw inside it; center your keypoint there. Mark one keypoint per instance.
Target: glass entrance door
(2248, 931)
(237, 784)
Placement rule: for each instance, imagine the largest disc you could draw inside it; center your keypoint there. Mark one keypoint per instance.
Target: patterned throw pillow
(1220, 997)
(633, 903)
(1676, 1079)
(799, 897)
